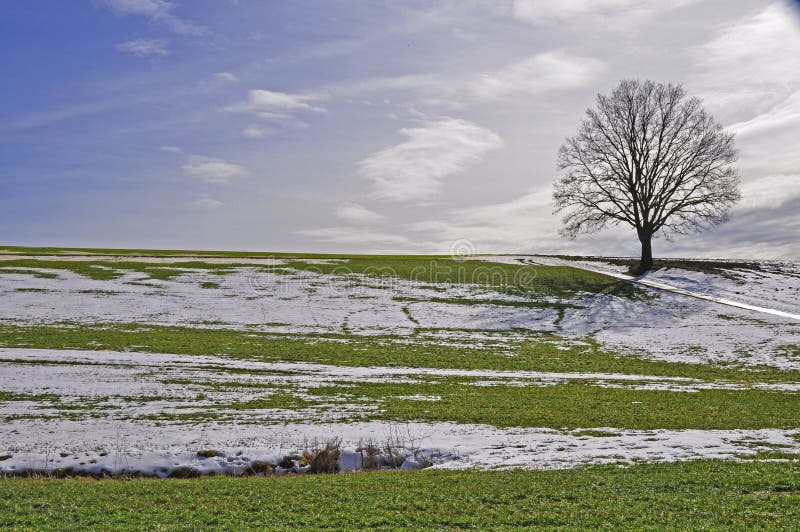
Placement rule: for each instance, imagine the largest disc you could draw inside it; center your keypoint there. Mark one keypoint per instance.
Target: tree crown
(648, 156)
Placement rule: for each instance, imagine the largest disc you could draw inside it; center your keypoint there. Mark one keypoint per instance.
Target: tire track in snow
(659, 285)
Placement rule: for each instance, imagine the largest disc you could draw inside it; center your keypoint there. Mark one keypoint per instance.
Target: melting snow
(669, 326)
(115, 433)
(94, 445)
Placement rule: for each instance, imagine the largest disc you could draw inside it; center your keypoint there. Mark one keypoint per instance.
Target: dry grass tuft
(260, 467)
(208, 453)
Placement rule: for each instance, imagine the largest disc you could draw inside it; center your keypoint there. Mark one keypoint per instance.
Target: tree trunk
(646, 262)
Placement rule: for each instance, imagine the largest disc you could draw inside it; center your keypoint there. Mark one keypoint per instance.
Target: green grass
(592, 433)
(526, 280)
(540, 281)
(100, 270)
(678, 496)
(280, 399)
(13, 396)
(94, 270)
(20, 271)
(771, 455)
(100, 292)
(574, 405)
(38, 251)
(790, 350)
(540, 353)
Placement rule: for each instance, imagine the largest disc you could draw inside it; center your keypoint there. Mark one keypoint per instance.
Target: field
(678, 496)
(529, 390)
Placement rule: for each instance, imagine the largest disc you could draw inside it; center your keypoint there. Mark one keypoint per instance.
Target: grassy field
(582, 395)
(678, 496)
(553, 281)
(572, 404)
(522, 280)
(122, 252)
(103, 270)
(542, 352)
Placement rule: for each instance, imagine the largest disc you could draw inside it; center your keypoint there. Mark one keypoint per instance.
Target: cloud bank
(413, 171)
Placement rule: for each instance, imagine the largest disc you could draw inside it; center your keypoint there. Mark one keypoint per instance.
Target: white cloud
(171, 149)
(382, 85)
(539, 11)
(537, 201)
(542, 72)
(757, 44)
(783, 115)
(226, 77)
(770, 191)
(546, 71)
(462, 35)
(254, 132)
(356, 214)
(500, 227)
(158, 11)
(213, 170)
(146, 8)
(414, 169)
(207, 202)
(268, 102)
(548, 11)
(749, 77)
(768, 142)
(277, 106)
(750, 66)
(359, 236)
(145, 47)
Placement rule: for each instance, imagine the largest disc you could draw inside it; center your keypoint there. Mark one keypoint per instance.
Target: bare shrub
(370, 455)
(287, 462)
(326, 460)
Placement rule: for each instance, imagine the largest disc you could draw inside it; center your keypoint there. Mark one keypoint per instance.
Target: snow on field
(77, 375)
(249, 298)
(677, 327)
(119, 447)
(773, 285)
(79, 257)
(666, 326)
(95, 410)
(106, 414)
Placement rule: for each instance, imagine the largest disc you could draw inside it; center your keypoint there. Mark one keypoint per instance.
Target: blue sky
(368, 126)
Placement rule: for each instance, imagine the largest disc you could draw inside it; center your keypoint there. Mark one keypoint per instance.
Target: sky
(369, 126)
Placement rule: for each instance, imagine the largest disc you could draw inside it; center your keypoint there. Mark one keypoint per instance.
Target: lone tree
(647, 156)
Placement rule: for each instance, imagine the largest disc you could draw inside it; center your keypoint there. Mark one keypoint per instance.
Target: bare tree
(647, 156)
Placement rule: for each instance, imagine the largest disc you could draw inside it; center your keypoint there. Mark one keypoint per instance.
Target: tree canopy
(650, 157)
